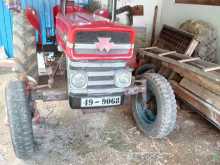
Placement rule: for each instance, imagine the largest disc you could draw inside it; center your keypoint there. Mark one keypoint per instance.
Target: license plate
(100, 101)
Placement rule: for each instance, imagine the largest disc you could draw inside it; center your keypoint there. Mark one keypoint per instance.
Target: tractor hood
(80, 18)
(85, 36)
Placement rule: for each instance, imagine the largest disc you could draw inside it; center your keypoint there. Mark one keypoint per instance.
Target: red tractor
(92, 65)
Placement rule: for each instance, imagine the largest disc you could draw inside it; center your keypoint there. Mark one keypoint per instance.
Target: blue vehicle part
(6, 29)
(44, 9)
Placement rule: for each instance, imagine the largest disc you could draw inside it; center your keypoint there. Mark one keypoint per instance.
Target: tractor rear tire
(20, 119)
(161, 122)
(24, 46)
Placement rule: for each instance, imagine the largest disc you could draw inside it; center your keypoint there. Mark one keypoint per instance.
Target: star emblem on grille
(104, 44)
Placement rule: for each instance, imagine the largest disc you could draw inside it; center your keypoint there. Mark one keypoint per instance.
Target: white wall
(145, 21)
(174, 14)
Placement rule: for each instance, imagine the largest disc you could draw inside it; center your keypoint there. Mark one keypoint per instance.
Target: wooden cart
(195, 81)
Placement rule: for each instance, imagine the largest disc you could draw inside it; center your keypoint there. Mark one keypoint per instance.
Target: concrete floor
(66, 137)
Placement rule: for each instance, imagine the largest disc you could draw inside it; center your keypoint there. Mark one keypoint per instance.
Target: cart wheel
(20, 119)
(155, 114)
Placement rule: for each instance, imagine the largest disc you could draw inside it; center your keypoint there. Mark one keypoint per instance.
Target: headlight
(123, 78)
(78, 79)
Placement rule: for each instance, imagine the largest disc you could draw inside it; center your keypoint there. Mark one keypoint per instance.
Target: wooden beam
(181, 66)
(154, 25)
(207, 110)
(213, 86)
(201, 92)
(189, 60)
(149, 48)
(166, 53)
(200, 2)
(211, 69)
(193, 45)
(209, 80)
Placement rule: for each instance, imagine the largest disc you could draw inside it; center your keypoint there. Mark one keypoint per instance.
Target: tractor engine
(98, 52)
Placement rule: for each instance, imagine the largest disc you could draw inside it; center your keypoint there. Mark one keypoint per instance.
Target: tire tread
(20, 121)
(167, 121)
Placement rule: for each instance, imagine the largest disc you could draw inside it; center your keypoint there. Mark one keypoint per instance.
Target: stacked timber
(195, 81)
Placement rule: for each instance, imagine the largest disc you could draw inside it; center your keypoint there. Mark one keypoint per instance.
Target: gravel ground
(67, 137)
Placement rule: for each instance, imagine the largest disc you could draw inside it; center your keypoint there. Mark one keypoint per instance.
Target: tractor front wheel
(20, 119)
(155, 113)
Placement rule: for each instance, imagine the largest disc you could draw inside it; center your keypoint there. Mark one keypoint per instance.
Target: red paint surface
(79, 21)
(103, 12)
(34, 20)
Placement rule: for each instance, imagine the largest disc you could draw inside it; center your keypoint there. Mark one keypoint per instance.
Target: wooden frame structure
(195, 81)
(174, 39)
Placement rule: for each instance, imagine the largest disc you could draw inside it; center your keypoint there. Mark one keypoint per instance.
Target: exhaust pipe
(114, 8)
(63, 6)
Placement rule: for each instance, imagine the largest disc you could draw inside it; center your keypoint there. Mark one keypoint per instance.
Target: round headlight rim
(75, 73)
(119, 73)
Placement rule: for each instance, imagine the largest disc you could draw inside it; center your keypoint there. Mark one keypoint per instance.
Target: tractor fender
(33, 18)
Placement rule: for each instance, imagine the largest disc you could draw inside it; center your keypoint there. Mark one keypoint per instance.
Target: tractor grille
(86, 42)
(92, 37)
(100, 77)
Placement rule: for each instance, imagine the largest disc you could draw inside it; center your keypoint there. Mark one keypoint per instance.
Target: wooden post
(154, 25)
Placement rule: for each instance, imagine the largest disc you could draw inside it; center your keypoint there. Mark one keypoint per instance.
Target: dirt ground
(67, 137)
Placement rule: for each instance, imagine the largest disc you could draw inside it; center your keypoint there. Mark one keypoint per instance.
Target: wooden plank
(176, 56)
(193, 45)
(211, 69)
(203, 64)
(157, 50)
(189, 60)
(181, 66)
(148, 48)
(166, 53)
(208, 111)
(200, 80)
(201, 92)
(200, 2)
(154, 25)
(207, 80)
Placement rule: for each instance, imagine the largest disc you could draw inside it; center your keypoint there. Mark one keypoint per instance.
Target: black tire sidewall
(155, 129)
(20, 119)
